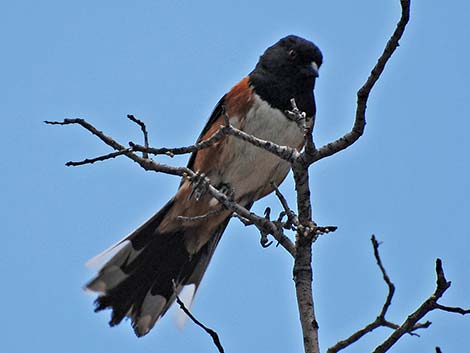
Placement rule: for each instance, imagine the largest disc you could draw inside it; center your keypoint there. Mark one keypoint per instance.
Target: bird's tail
(149, 268)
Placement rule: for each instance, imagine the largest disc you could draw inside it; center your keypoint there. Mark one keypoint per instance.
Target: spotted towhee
(155, 262)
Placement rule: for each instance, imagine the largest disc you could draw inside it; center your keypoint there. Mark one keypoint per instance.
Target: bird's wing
(216, 113)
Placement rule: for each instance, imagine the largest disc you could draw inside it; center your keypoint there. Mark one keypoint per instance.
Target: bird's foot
(264, 235)
(199, 184)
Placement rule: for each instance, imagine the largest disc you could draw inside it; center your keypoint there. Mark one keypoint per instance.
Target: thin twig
(106, 139)
(211, 332)
(290, 214)
(182, 150)
(363, 93)
(99, 158)
(386, 278)
(144, 131)
(380, 320)
(427, 306)
(203, 217)
(244, 220)
(451, 309)
(286, 153)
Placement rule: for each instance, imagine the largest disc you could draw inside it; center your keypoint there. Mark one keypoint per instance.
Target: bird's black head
(288, 70)
(292, 55)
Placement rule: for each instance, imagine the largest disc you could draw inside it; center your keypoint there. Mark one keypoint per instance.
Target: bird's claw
(264, 236)
(264, 240)
(200, 184)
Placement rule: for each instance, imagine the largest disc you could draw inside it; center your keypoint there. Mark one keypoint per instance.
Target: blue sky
(168, 62)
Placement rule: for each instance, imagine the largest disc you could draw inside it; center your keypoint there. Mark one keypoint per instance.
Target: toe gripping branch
(199, 184)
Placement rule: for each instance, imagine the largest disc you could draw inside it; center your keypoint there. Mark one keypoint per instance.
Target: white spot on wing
(110, 277)
(103, 257)
(151, 310)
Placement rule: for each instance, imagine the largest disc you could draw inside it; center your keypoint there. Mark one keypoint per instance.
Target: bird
(144, 272)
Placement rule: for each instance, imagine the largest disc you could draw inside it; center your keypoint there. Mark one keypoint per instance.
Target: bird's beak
(315, 68)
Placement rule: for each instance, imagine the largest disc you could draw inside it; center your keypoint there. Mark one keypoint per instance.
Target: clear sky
(168, 62)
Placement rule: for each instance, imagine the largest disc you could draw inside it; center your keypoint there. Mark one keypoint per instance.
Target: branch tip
(211, 332)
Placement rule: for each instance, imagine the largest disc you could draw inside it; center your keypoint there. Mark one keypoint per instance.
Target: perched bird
(153, 264)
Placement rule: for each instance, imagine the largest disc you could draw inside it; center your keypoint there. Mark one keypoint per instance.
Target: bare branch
(182, 150)
(380, 321)
(363, 93)
(284, 152)
(203, 217)
(386, 278)
(106, 139)
(303, 286)
(148, 164)
(144, 131)
(451, 309)
(98, 159)
(302, 264)
(211, 332)
(245, 221)
(290, 214)
(428, 305)
(261, 223)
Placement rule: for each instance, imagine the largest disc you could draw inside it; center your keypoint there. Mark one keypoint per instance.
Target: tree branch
(211, 332)
(286, 153)
(380, 321)
(291, 215)
(181, 150)
(202, 217)
(363, 93)
(451, 309)
(148, 164)
(386, 278)
(302, 265)
(144, 132)
(99, 158)
(261, 223)
(427, 306)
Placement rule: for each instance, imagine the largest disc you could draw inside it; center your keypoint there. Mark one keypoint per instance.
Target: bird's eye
(292, 53)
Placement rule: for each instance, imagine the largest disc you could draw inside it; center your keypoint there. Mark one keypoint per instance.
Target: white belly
(252, 168)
